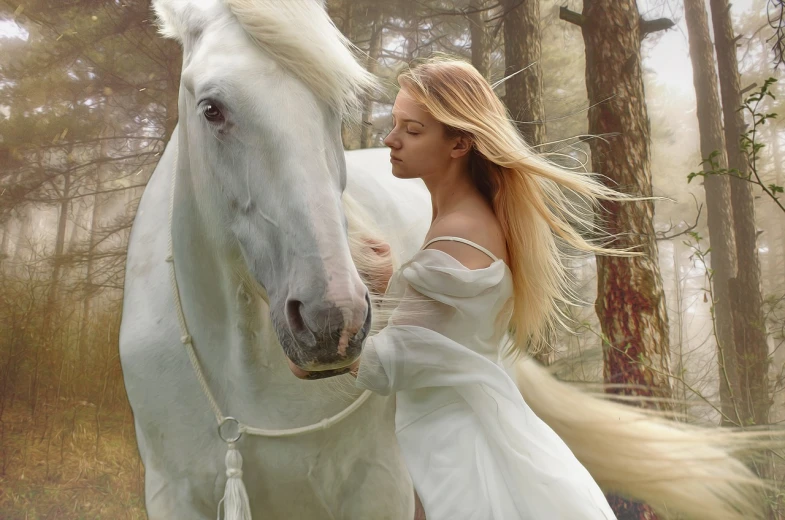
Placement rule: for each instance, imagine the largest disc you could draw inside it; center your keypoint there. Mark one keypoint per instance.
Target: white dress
(474, 448)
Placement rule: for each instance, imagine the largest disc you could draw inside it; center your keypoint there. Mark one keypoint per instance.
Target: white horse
(260, 173)
(240, 262)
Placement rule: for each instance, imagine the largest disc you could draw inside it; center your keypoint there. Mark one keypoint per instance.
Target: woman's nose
(390, 141)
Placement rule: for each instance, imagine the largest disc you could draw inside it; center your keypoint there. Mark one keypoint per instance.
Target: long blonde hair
(533, 198)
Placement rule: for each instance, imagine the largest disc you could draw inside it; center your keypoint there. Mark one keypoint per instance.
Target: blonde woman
(490, 261)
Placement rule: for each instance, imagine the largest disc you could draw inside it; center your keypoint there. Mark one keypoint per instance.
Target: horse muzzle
(323, 340)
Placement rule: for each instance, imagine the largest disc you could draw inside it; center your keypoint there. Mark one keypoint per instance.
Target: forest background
(672, 98)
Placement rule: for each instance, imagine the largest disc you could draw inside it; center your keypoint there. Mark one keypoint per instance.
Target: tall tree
(342, 14)
(4, 242)
(76, 61)
(377, 33)
(481, 39)
(92, 243)
(630, 297)
(752, 350)
(523, 88)
(522, 53)
(779, 179)
(718, 201)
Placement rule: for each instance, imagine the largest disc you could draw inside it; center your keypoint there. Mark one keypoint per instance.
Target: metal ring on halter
(221, 430)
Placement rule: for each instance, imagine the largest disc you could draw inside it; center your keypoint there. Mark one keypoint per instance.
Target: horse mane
(303, 39)
(372, 266)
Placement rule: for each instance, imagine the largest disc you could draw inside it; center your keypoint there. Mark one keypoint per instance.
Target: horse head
(264, 87)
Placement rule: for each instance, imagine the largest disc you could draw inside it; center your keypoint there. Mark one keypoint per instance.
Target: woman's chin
(401, 173)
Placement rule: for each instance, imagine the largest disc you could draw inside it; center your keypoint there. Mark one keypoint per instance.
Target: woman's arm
(379, 279)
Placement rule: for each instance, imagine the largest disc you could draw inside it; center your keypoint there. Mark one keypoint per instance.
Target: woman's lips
(394, 159)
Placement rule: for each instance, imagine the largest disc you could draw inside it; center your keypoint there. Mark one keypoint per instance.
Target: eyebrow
(410, 121)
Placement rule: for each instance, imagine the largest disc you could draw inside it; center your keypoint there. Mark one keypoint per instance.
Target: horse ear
(178, 19)
(170, 25)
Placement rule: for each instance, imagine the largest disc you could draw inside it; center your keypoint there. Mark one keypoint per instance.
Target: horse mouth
(328, 373)
(321, 374)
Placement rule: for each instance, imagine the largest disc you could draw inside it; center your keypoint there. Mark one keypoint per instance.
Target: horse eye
(213, 114)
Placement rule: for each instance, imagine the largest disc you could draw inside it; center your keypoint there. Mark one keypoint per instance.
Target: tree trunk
(752, 349)
(718, 202)
(89, 290)
(481, 40)
(57, 267)
(346, 28)
(73, 235)
(54, 287)
(25, 225)
(377, 32)
(630, 297)
(523, 92)
(777, 274)
(631, 303)
(680, 390)
(4, 243)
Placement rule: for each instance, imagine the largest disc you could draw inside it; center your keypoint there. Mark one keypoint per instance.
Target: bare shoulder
(483, 230)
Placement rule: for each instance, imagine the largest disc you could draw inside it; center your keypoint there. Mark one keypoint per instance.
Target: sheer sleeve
(474, 450)
(421, 345)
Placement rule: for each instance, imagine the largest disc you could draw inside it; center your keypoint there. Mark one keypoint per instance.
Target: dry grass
(58, 466)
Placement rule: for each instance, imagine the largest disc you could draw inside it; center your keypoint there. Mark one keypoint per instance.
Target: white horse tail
(645, 456)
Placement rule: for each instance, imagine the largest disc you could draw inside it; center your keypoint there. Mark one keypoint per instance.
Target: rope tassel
(235, 501)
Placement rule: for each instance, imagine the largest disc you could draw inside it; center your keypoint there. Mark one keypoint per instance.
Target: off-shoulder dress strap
(464, 241)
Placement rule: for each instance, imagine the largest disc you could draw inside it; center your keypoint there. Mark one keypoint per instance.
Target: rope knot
(186, 339)
(234, 473)
(169, 258)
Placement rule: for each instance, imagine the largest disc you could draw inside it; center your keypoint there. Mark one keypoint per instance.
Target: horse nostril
(328, 326)
(294, 316)
(296, 320)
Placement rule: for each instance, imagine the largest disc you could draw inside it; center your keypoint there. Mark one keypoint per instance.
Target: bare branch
(650, 26)
(571, 16)
(748, 88)
(661, 235)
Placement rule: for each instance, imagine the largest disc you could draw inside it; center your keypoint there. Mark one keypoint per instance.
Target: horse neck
(230, 324)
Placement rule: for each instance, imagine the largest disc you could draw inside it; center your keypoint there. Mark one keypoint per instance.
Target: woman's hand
(379, 278)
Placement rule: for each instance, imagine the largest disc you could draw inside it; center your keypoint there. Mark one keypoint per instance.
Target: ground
(65, 464)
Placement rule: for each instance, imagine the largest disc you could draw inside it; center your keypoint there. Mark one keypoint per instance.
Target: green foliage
(90, 79)
(750, 146)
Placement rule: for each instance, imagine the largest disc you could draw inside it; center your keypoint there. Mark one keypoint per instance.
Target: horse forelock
(297, 34)
(302, 38)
